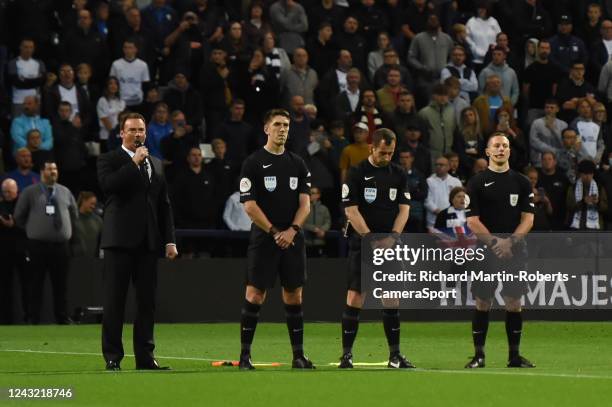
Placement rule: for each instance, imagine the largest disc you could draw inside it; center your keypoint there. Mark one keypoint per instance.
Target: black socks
(391, 323)
(480, 326)
(248, 323)
(514, 328)
(350, 326)
(295, 326)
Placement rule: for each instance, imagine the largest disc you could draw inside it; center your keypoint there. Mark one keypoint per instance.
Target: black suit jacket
(134, 212)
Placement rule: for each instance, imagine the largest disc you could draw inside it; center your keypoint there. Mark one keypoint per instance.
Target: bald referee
(274, 187)
(500, 203)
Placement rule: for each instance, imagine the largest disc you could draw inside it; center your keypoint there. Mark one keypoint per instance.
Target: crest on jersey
(293, 183)
(467, 201)
(392, 193)
(270, 183)
(345, 191)
(407, 195)
(513, 199)
(369, 194)
(245, 185)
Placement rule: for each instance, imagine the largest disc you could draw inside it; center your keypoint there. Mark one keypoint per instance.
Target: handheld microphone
(138, 143)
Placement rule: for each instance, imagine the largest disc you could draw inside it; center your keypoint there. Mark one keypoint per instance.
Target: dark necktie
(144, 172)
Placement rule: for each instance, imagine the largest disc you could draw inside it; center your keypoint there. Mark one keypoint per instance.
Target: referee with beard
(274, 188)
(501, 202)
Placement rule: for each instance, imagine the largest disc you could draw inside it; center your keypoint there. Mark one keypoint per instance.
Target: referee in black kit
(376, 200)
(500, 203)
(274, 188)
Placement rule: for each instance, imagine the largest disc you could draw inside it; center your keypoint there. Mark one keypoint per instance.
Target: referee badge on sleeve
(513, 199)
(392, 193)
(245, 185)
(345, 191)
(270, 183)
(369, 194)
(293, 183)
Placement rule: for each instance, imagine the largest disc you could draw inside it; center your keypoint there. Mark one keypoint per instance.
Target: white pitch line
(513, 372)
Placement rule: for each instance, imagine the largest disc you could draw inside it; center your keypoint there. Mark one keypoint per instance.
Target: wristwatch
(297, 228)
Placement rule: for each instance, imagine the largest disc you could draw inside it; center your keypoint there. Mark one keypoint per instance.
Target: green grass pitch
(574, 367)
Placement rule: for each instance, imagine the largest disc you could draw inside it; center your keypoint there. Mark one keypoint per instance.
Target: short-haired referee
(376, 200)
(500, 202)
(274, 187)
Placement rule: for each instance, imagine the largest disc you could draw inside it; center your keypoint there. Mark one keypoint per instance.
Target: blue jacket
(22, 124)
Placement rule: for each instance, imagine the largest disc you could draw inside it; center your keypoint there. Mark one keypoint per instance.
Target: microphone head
(138, 143)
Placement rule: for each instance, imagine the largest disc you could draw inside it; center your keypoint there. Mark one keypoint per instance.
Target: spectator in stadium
(132, 73)
(215, 88)
(183, 48)
(160, 20)
(567, 48)
(543, 209)
(322, 49)
(47, 212)
(440, 118)
(391, 60)
(195, 204)
(376, 56)
(545, 133)
(300, 79)
(599, 51)
(405, 115)
(455, 99)
(587, 201)
(428, 55)
(224, 172)
(325, 11)
(588, 131)
(350, 39)
(176, 146)
(338, 141)
(28, 120)
(439, 184)
(333, 83)
(84, 44)
(606, 182)
(480, 165)
(481, 32)
(412, 140)
(355, 152)
(181, 95)
(529, 19)
(555, 184)
(236, 45)
(417, 187)
(591, 30)
(12, 252)
(347, 101)
(131, 28)
(572, 89)
(465, 74)
(34, 140)
(498, 66)
(237, 134)
(67, 91)
(469, 141)
(455, 168)
(159, 128)
(87, 228)
(454, 215)
(317, 225)
(415, 18)
(388, 95)
(298, 138)
(289, 21)
(505, 123)
(600, 117)
(458, 33)
(101, 19)
(531, 54)
(369, 114)
(108, 107)
(512, 59)
(372, 20)
(84, 79)
(605, 82)
(69, 149)
(26, 75)
(211, 18)
(572, 153)
(255, 25)
(277, 60)
(23, 174)
(540, 82)
(489, 102)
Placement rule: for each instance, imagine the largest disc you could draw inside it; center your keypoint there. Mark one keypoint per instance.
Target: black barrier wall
(212, 290)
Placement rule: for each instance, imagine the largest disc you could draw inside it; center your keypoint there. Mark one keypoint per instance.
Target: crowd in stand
(442, 74)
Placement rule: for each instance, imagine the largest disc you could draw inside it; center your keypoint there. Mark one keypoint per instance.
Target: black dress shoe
(113, 366)
(152, 365)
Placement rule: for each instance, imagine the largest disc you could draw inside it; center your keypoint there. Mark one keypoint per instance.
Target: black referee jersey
(275, 182)
(378, 192)
(499, 198)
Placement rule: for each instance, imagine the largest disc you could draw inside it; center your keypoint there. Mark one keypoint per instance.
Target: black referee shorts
(514, 289)
(265, 260)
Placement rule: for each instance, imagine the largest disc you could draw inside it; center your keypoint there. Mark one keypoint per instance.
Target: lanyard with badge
(50, 198)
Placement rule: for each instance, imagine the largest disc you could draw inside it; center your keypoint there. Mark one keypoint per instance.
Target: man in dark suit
(137, 223)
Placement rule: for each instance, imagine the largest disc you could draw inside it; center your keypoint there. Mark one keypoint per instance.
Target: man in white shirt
(26, 75)
(132, 72)
(439, 186)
